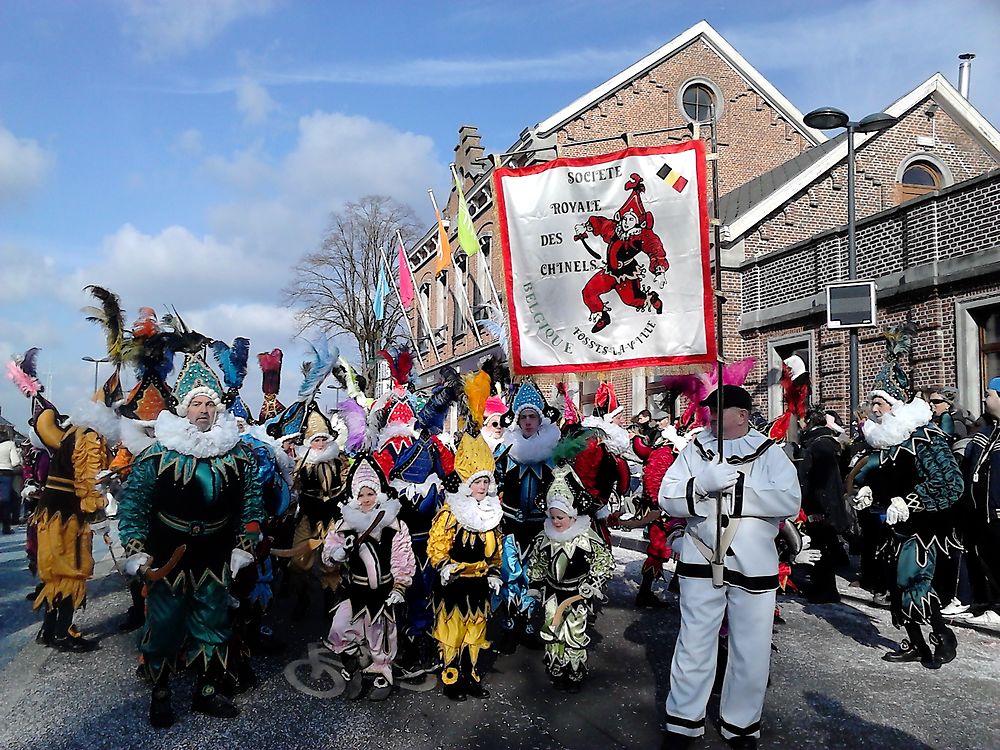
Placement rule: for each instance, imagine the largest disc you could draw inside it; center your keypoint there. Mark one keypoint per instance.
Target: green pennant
(466, 230)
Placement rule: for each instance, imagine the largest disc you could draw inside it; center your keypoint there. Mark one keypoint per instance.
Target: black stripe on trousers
(740, 731)
(686, 723)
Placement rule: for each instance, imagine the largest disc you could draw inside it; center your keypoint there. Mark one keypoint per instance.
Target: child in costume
(570, 563)
(464, 547)
(375, 547)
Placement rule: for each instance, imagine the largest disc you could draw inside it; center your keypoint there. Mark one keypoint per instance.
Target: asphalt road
(829, 687)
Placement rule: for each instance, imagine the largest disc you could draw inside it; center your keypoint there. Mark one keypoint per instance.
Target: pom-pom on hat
(196, 379)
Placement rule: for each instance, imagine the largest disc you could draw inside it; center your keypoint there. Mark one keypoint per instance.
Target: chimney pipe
(964, 73)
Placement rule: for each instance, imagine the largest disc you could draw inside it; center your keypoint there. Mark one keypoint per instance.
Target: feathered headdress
(570, 414)
(496, 326)
(150, 350)
(400, 365)
(892, 382)
(233, 362)
(353, 415)
(110, 317)
(445, 393)
(696, 387)
(318, 367)
(23, 371)
(477, 391)
(270, 367)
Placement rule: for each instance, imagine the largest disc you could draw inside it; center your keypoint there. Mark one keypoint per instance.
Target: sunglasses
(938, 401)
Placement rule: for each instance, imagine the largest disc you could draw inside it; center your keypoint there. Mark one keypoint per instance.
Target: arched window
(919, 178)
(698, 100)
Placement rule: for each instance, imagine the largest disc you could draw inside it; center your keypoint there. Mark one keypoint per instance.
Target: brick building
(782, 208)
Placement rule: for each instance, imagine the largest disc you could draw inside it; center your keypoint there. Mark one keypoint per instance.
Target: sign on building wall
(606, 261)
(851, 305)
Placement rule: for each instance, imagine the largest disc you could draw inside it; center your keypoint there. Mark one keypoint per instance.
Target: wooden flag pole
(402, 309)
(465, 295)
(420, 306)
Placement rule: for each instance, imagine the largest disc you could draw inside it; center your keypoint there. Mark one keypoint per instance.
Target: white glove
(806, 541)
(447, 572)
(897, 511)
(395, 597)
(534, 594)
(808, 557)
(136, 561)
(239, 559)
(863, 498)
(101, 527)
(716, 477)
(494, 583)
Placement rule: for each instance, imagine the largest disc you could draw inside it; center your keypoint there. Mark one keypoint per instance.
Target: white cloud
(23, 272)
(24, 165)
(165, 28)
(244, 171)
(188, 142)
(253, 101)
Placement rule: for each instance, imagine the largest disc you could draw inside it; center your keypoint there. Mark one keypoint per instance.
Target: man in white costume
(760, 488)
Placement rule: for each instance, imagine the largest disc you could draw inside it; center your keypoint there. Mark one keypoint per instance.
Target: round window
(921, 174)
(698, 100)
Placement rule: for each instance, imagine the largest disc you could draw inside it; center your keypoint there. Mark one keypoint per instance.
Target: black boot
(603, 322)
(161, 713)
(646, 597)
(47, 635)
(352, 675)
(67, 639)
(455, 691)
(474, 688)
(209, 701)
(945, 645)
(913, 648)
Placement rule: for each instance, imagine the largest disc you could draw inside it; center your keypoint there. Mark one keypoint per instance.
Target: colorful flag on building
(405, 278)
(672, 177)
(381, 292)
(466, 230)
(444, 247)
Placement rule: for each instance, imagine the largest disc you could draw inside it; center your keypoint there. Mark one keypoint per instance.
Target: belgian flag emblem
(672, 177)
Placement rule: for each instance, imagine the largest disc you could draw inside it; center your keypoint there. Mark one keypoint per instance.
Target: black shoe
(381, 689)
(945, 646)
(301, 607)
(908, 652)
(573, 686)
(656, 303)
(742, 743)
(8, 530)
(207, 700)
(676, 741)
(649, 599)
(75, 645)
(355, 685)
(455, 692)
(603, 322)
(475, 689)
(161, 713)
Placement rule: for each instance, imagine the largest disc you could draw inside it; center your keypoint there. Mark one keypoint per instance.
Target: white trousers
(692, 671)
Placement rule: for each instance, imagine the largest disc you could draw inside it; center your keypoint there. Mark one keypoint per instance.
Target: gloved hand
(339, 554)
(136, 561)
(806, 541)
(239, 559)
(897, 511)
(808, 557)
(448, 572)
(589, 591)
(863, 498)
(716, 477)
(395, 597)
(494, 583)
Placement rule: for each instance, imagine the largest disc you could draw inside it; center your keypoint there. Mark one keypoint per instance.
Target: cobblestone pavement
(829, 687)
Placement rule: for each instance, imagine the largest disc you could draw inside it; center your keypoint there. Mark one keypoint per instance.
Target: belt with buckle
(194, 528)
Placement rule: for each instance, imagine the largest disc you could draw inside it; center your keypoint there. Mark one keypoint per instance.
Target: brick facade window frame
(930, 167)
(703, 84)
(973, 350)
(778, 350)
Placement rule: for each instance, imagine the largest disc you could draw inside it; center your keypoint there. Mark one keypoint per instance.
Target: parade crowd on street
(415, 551)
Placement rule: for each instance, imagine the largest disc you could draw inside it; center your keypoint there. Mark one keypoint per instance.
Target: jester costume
(571, 567)
(194, 494)
(523, 473)
(915, 476)
(374, 546)
(464, 547)
(601, 465)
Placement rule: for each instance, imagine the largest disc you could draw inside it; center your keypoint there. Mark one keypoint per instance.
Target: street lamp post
(830, 118)
(97, 365)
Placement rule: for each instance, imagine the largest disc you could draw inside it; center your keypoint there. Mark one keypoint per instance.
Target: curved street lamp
(97, 366)
(831, 118)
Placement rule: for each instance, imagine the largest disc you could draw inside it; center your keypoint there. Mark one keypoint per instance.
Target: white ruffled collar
(178, 434)
(356, 520)
(309, 457)
(537, 448)
(896, 426)
(476, 516)
(579, 527)
(94, 415)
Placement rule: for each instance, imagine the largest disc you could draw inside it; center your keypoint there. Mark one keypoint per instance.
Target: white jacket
(766, 494)
(10, 456)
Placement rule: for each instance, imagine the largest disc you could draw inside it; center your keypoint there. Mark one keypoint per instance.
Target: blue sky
(189, 152)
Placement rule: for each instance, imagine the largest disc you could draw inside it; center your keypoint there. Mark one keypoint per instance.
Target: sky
(189, 153)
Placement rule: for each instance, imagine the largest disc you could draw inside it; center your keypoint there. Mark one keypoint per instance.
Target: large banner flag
(606, 261)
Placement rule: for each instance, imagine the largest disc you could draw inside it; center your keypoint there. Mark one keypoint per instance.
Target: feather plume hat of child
(270, 368)
(233, 361)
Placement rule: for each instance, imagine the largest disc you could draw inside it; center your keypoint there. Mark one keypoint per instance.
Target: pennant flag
(466, 231)
(444, 247)
(405, 279)
(381, 292)
(672, 177)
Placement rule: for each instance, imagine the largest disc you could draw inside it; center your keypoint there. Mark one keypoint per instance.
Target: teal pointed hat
(528, 397)
(892, 383)
(196, 379)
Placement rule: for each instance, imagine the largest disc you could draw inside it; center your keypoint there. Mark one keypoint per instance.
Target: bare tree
(334, 287)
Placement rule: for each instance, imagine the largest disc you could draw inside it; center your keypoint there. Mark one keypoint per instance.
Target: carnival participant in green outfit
(189, 518)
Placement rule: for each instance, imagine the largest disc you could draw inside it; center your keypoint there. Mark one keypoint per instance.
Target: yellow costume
(464, 546)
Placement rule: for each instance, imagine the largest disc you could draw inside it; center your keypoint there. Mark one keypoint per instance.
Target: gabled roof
(750, 204)
(724, 49)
